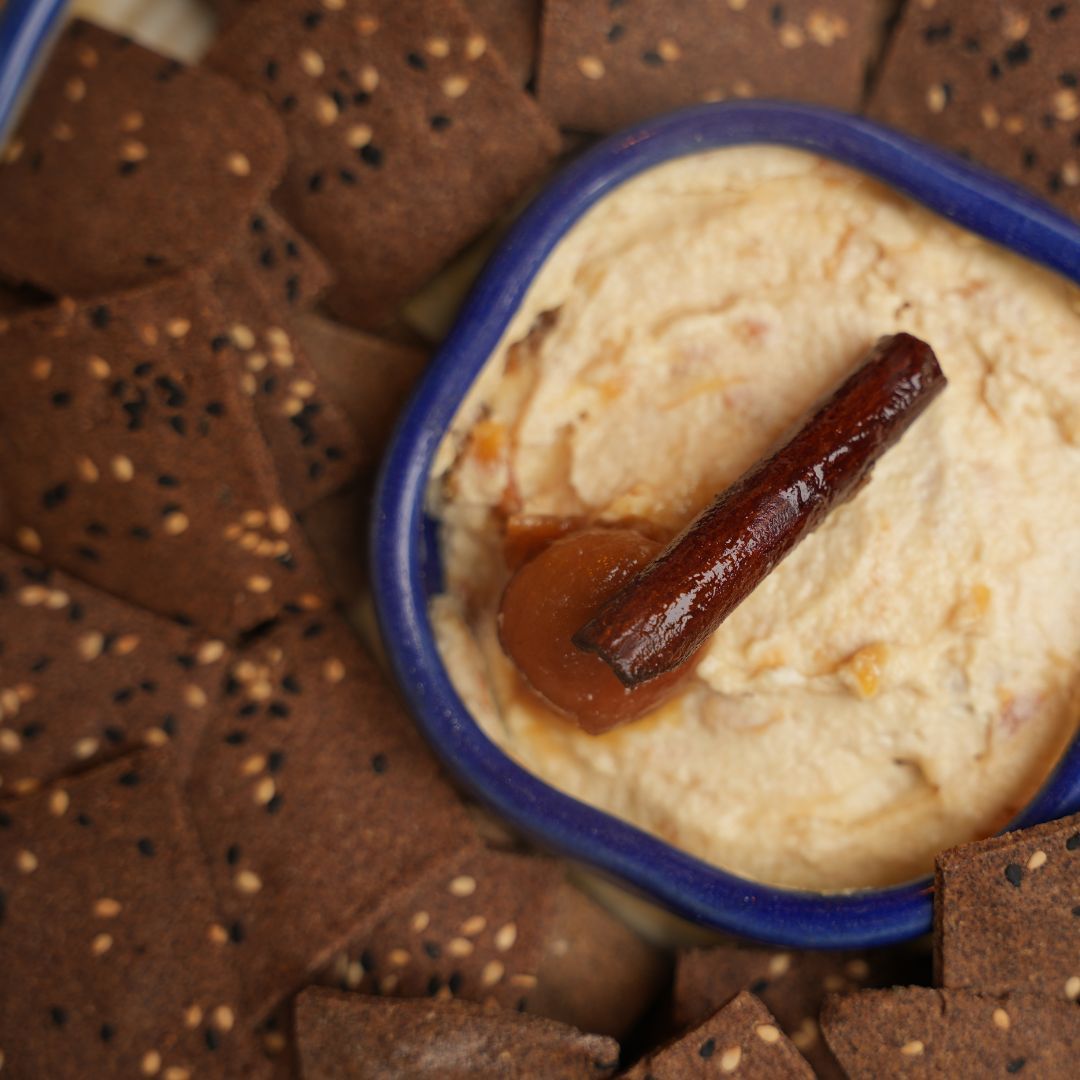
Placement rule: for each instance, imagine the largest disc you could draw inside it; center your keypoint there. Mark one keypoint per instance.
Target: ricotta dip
(908, 677)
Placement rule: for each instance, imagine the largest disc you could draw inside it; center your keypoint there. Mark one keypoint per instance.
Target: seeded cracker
(314, 800)
(109, 942)
(310, 438)
(513, 27)
(918, 1032)
(408, 136)
(1007, 912)
(86, 676)
(741, 1039)
(128, 166)
(289, 272)
(130, 459)
(353, 1037)
(997, 82)
(605, 65)
(791, 984)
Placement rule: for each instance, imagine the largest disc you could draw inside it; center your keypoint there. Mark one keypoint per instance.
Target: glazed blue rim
(27, 27)
(405, 560)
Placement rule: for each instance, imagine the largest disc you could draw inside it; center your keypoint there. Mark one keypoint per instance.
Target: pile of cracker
(224, 850)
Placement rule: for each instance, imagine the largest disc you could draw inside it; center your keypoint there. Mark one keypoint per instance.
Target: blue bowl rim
(26, 29)
(692, 889)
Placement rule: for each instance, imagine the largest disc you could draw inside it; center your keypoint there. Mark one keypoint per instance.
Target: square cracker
(314, 799)
(132, 460)
(113, 960)
(128, 166)
(87, 676)
(289, 272)
(1007, 912)
(408, 136)
(999, 83)
(363, 1038)
(742, 1038)
(604, 65)
(919, 1032)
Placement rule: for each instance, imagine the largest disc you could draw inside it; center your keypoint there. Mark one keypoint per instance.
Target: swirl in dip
(907, 678)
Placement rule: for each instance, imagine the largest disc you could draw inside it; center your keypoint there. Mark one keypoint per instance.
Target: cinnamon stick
(667, 611)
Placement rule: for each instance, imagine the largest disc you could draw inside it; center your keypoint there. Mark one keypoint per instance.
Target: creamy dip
(907, 678)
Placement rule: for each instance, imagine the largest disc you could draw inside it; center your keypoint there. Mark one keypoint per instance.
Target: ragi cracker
(999, 83)
(132, 460)
(605, 65)
(128, 166)
(289, 272)
(112, 956)
(919, 1032)
(314, 799)
(1007, 912)
(363, 1038)
(86, 676)
(407, 134)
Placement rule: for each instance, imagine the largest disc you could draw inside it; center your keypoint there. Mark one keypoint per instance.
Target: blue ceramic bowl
(406, 570)
(26, 29)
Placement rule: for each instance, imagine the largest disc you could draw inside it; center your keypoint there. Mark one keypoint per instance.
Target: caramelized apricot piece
(549, 598)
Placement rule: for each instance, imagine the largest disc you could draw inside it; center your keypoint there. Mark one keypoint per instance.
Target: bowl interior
(405, 553)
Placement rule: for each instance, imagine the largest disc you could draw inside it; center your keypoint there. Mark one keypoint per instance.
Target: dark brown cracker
(314, 800)
(408, 136)
(1007, 912)
(131, 459)
(289, 272)
(918, 1032)
(310, 438)
(85, 676)
(128, 166)
(337, 529)
(513, 27)
(369, 377)
(354, 1037)
(605, 65)
(474, 929)
(112, 955)
(997, 82)
(791, 984)
(596, 974)
(741, 1039)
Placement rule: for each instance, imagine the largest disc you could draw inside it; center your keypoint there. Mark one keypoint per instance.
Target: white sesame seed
(454, 86)
(273, 1041)
(155, 736)
(333, 5)
(193, 1015)
(475, 46)
(399, 957)
(592, 67)
(28, 539)
(99, 367)
(791, 37)
(669, 49)
(857, 968)
(326, 110)
(148, 334)
(256, 362)
(1037, 859)
(312, 63)
(10, 702)
(265, 790)
(133, 150)
(1072, 987)
(210, 652)
(492, 973)
(354, 974)
(224, 1018)
(126, 644)
(178, 328)
(177, 1072)
(368, 78)
(437, 46)
(505, 937)
(1001, 1019)
(12, 152)
(737, 5)
(75, 89)
(474, 925)
(280, 519)
(122, 468)
(389, 983)
(217, 934)
(729, 1060)
(242, 336)
(768, 1033)
(743, 88)
(832, 983)
(176, 523)
(292, 406)
(936, 98)
(101, 944)
(913, 1048)
(194, 696)
(248, 882)
(132, 122)
(90, 644)
(32, 595)
(459, 946)
(57, 600)
(259, 583)
(779, 964)
(26, 861)
(238, 164)
(333, 670)
(10, 743)
(420, 922)
(524, 981)
(106, 908)
(806, 1035)
(59, 801)
(85, 748)
(88, 56)
(40, 368)
(302, 387)
(151, 1063)
(366, 25)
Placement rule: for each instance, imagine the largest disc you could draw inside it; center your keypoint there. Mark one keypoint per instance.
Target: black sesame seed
(315, 470)
(61, 398)
(1015, 1065)
(1057, 11)
(236, 738)
(361, 97)
(334, 453)
(270, 70)
(292, 288)
(32, 731)
(1073, 843)
(615, 32)
(232, 854)
(153, 261)
(312, 630)
(994, 70)
(106, 1032)
(269, 385)
(940, 32)
(168, 724)
(439, 122)
(315, 182)
(972, 45)
(126, 168)
(212, 1041)
(1076, 911)
(130, 778)
(89, 554)
(247, 710)
(138, 532)
(776, 14)
(1014, 874)
(707, 1048)
(273, 804)
(367, 961)
(1055, 183)
(415, 60)
(292, 686)
(278, 708)
(178, 424)
(432, 949)
(40, 664)
(454, 982)
(215, 408)
(1029, 158)
(347, 177)
(312, 19)
(371, 155)
(434, 985)
(146, 846)
(268, 258)
(122, 695)
(167, 480)
(1067, 78)
(288, 103)
(5, 820)
(1017, 54)
(59, 1015)
(75, 613)
(274, 760)
(100, 316)
(236, 932)
(54, 496)
(114, 735)
(96, 528)
(36, 161)
(220, 341)
(652, 58)
(379, 763)
(84, 820)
